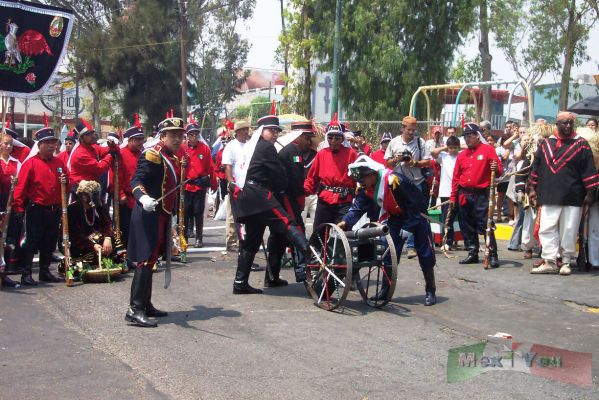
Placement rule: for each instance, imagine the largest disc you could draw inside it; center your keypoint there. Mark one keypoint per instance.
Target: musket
(432, 192)
(450, 210)
(66, 244)
(490, 222)
(182, 240)
(178, 187)
(4, 226)
(582, 261)
(116, 212)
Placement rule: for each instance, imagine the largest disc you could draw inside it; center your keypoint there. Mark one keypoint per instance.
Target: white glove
(112, 139)
(149, 204)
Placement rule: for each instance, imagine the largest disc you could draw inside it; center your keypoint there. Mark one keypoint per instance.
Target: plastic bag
(221, 214)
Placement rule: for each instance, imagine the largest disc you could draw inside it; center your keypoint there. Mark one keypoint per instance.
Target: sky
(263, 30)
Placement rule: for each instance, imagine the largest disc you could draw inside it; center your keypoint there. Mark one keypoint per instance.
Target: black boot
(382, 294)
(45, 275)
(137, 308)
(273, 269)
(244, 265)
(430, 288)
(26, 278)
(297, 238)
(152, 311)
(472, 257)
(7, 282)
(493, 259)
(199, 220)
(12, 261)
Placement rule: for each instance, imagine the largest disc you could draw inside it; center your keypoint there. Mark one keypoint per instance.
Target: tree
(298, 46)
(136, 51)
(388, 49)
(485, 57)
(259, 106)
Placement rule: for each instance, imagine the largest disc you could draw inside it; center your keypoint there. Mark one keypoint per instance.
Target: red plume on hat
(229, 124)
(172, 113)
(120, 130)
(166, 115)
(137, 123)
(45, 120)
(273, 108)
(87, 124)
(334, 121)
(191, 119)
(7, 123)
(463, 121)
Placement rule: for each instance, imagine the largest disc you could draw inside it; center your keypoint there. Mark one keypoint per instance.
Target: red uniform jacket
(127, 165)
(379, 157)
(64, 156)
(38, 183)
(20, 153)
(330, 169)
(9, 170)
(199, 165)
(219, 168)
(89, 162)
(473, 169)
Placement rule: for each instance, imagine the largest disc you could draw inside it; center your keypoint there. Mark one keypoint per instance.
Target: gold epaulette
(393, 181)
(153, 155)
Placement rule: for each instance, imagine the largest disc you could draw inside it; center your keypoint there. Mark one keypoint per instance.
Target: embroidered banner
(33, 41)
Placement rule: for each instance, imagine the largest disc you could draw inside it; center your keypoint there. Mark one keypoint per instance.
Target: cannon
(346, 260)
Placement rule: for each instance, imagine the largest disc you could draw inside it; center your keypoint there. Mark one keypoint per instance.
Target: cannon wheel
(329, 269)
(370, 280)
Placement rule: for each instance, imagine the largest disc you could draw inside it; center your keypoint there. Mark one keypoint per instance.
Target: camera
(406, 155)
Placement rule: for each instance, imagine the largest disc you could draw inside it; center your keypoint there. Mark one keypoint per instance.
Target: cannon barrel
(366, 233)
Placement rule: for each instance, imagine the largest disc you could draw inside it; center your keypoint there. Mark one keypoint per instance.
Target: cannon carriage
(346, 260)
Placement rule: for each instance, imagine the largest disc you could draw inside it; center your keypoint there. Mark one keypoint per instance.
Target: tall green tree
(388, 49)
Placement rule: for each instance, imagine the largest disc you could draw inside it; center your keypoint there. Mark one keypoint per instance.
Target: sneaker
(412, 253)
(565, 270)
(546, 268)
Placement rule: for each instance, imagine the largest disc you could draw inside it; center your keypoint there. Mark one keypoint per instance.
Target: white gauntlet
(149, 204)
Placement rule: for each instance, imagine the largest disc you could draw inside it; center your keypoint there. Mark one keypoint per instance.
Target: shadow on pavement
(199, 313)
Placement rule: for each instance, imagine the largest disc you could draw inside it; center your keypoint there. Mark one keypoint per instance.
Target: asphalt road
(72, 343)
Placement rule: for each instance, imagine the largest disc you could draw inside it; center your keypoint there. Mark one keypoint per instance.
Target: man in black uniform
(157, 174)
(255, 207)
(293, 199)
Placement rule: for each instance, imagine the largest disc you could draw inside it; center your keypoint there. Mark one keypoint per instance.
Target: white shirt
(234, 155)
(447, 163)
(419, 152)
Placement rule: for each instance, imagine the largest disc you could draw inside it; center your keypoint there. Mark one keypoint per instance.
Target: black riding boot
(12, 262)
(472, 247)
(137, 304)
(429, 280)
(45, 275)
(26, 278)
(382, 294)
(6, 281)
(244, 265)
(273, 270)
(297, 238)
(152, 311)
(494, 258)
(199, 231)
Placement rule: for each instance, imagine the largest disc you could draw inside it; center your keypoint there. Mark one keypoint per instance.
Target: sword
(169, 252)
(433, 221)
(173, 190)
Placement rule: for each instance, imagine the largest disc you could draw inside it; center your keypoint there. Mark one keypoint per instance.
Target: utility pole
(183, 61)
(336, 50)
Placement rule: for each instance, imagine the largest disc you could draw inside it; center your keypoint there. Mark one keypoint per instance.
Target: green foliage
(388, 49)
(135, 52)
(258, 107)
(466, 70)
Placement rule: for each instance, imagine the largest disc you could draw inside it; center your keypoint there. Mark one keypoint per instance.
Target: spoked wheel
(376, 283)
(329, 269)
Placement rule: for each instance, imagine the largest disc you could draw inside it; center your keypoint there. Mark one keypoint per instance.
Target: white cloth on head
(447, 163)
(239, 155)
(364, 161)
(558, 228)
(34, 150)
(283, 141)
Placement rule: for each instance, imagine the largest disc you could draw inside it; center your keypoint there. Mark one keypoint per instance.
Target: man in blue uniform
(157, 174)
(401, 204)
